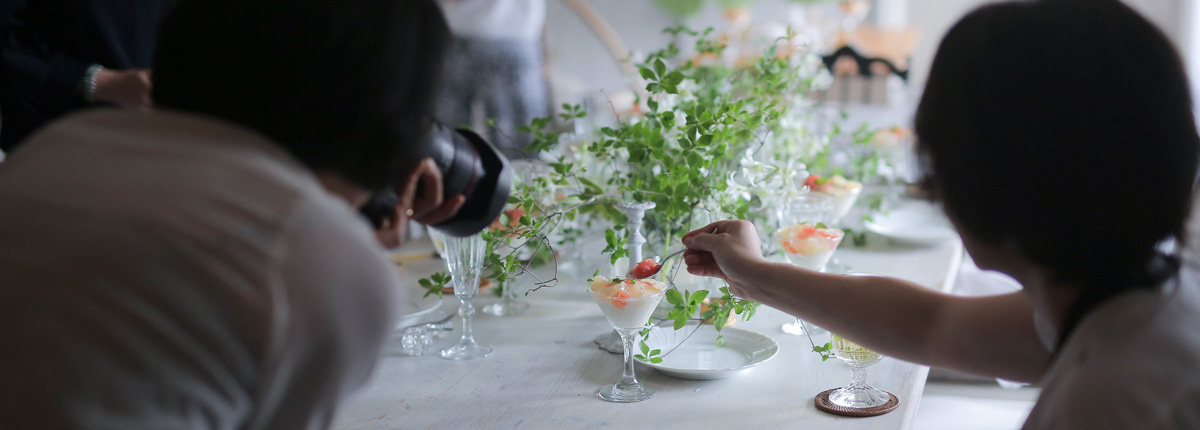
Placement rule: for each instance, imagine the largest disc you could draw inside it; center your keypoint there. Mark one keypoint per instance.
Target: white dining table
(545, 369)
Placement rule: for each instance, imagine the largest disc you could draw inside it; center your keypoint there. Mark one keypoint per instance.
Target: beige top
(173, 272)
(1133, 363)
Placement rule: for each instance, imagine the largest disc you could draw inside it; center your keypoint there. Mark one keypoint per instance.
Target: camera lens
(470, 166)
(474, 168)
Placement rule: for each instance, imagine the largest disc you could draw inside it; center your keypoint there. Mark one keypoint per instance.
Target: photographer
(203, 266)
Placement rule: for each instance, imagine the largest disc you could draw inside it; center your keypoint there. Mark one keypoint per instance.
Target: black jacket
(49, 44)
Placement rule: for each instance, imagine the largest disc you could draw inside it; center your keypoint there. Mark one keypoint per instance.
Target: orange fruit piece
(620, 299)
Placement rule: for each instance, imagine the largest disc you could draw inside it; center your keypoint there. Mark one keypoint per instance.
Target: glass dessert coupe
(809, 246)
(627, 304)
(844, 194)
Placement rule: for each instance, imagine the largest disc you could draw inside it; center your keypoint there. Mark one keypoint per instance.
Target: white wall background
(576, 53)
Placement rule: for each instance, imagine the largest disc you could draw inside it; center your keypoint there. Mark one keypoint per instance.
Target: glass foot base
(467, 352)
(505, 308)
(624, 395)
(859, 397)
(836, 266)
(801, 329)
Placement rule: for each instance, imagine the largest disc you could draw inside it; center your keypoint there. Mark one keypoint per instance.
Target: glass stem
(628, 379)
(465, 310)
(858, 377)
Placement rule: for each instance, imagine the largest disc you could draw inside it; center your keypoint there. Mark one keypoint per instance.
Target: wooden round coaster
(824, 404)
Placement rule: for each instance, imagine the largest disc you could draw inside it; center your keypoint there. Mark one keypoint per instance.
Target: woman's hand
(725, 249)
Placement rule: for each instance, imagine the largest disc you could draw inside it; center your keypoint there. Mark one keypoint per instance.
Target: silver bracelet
(89, 83)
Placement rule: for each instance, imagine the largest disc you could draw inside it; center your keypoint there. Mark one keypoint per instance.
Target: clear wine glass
(628, 315)
(464, 258)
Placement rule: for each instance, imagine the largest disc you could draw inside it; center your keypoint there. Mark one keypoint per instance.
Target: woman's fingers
(715, 227)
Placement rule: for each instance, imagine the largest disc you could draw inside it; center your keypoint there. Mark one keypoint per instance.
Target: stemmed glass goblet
(844, 194)
(627, 306)
(859, 394)
(798, 234)
(464, 258)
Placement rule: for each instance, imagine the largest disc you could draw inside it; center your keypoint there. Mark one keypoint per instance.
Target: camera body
(470, 166)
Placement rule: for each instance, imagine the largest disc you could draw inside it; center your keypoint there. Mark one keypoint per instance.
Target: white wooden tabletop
(545, 370)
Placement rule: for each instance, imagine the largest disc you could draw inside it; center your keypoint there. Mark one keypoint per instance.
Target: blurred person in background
(63, 55)
(202, 265)
(494, 80)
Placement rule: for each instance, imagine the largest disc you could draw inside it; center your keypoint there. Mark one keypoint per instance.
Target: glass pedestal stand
(635, 213)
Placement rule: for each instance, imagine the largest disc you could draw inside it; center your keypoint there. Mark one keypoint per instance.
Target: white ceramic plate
(698, 357)
(417, 308)
(914, 222)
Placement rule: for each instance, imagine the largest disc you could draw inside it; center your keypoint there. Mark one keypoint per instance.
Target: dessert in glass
(844, 192)
(809, 245)
(627, 304)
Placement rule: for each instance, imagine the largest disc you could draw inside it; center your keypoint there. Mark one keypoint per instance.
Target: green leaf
(698, 296)
(822, 225)
(674, 78)
(674, 297)
(720, 341)
(660, 68)
(647, 74)
(645, 348)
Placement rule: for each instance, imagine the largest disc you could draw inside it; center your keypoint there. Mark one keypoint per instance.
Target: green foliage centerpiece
(711, 137)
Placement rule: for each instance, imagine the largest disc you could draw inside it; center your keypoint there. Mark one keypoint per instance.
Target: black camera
(470, 166)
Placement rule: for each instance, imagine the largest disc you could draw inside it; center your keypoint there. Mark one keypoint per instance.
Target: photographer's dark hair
(344, 85)
(1063, 128)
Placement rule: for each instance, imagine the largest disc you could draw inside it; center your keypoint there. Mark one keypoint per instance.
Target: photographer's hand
(420, 200)
(423, 194)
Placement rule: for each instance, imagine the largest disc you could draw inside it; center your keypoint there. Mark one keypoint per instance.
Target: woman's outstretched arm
(991, 336)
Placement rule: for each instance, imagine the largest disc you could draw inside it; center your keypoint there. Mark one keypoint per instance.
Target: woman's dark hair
(346, 86)
(1063, 128)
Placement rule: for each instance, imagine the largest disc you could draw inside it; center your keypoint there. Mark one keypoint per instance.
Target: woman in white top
(1059, 136)
(493, 80)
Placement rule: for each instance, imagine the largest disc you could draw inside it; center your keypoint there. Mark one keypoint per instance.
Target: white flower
(680, 118)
